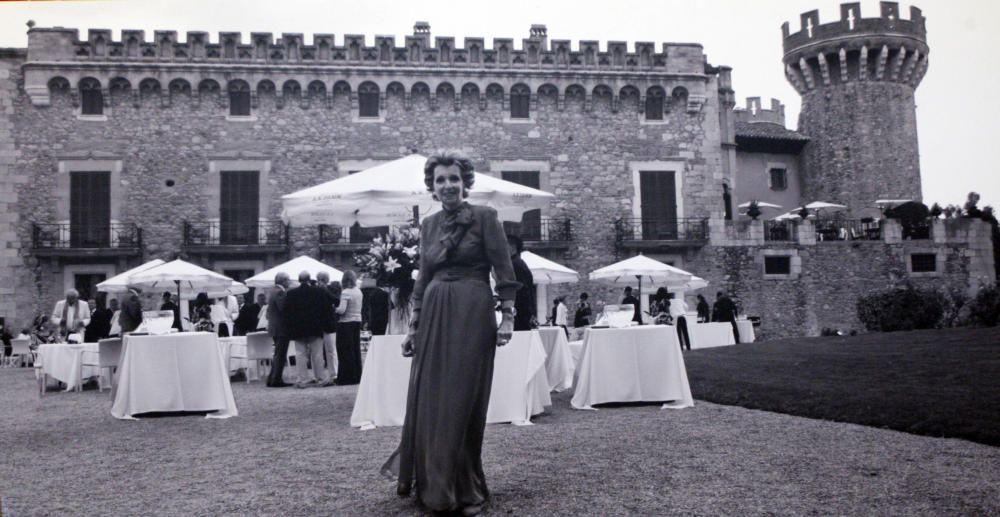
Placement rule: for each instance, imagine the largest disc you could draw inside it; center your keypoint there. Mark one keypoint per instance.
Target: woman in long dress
(453, 338)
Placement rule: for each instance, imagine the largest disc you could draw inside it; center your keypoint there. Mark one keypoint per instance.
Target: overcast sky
(958, 114)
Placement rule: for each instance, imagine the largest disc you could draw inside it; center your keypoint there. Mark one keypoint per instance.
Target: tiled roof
(768, 131)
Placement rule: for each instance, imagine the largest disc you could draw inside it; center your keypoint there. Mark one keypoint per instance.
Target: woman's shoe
(472, 509)
(403, 489)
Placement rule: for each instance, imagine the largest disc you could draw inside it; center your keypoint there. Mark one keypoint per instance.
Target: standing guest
(725, 310)
(632, 300)
(349, 330)
(453, 339)
(306, 314)
(277, 329)
(378, 305)
(5, 336)
(169, 305)
(581, 317)
(704, 312)
(562, 314)
(678, 311)
(246, 321)
(226, 314)
(100, 321)
(524, 300)
(260, 319)
(130, 317)
(202, 317)
(660, 311)
(333, 291)
(71, 314)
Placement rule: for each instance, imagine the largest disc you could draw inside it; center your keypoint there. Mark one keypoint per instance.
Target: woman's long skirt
(348, 352)
(450, 379)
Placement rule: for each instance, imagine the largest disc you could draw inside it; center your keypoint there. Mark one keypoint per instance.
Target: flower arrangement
(391, 259)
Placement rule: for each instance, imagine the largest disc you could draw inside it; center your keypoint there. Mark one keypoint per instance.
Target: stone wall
(15, 278)
(587, 153)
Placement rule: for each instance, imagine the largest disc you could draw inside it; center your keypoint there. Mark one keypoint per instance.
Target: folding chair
(260, 347)
(21, 349)
(109, 352)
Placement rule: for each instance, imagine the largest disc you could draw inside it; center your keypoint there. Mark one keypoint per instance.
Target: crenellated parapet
(287, 64)
(755, 112)
(853, 48)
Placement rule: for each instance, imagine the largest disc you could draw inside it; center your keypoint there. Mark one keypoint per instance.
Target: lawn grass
(929, 382)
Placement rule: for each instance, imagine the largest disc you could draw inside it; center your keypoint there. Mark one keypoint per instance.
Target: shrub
(984, 309)
(902, 308)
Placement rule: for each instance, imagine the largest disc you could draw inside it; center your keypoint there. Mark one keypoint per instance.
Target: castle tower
(857, 78)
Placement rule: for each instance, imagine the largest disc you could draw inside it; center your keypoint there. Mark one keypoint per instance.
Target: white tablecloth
(709, 335)
(633, 364)
(173, 372)
(747, 334)
(558, 360)
(62, 362)
(520, 384)
(237, 351)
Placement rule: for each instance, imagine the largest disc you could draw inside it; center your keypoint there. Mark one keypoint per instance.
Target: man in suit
(333, 290)
(306, 312)
(277, 329)
(629, 299)
(71, 314)
(524, 299)
(169, 305)
(246, 321)
(725, 310)
(130, 316)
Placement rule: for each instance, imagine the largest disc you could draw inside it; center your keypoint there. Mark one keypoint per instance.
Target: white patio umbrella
(545, 271)
(760, 204)
(293, 268)
(642, 268)
(387, 193)
(823, 205)
(188, 279)
(695, 283)
(119, 283)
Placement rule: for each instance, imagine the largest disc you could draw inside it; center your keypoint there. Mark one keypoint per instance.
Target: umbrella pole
(640, 298)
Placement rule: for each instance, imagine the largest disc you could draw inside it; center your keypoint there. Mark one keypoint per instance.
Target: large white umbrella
(695, 283)
(293, 268)
(386, 194)
(760, 204)
(188, 279)
(545, 271)
(119, 283)
(642, 268)
(823, 205)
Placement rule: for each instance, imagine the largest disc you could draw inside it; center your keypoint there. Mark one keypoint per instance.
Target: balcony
(546, 233)
(348, 238)
(781, 231)
(661, 234)
(216, 237)
(64, 239)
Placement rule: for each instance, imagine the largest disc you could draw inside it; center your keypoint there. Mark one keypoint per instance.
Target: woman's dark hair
(661, 294)
(201, 299)
(448, 158)
(584, 296)
(101, 300)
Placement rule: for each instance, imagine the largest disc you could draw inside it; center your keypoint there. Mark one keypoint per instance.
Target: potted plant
(753, 210)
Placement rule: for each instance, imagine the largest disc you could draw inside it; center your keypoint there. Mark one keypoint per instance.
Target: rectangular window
(658, 205)
(530, 228)
(368, 104)
(90, 209)
(86, 284)
(779, 179)
(239, 103)
(923, 262)
(654, 107)
(778, 265)
(519, 105)
(239, 207)
(91, 102)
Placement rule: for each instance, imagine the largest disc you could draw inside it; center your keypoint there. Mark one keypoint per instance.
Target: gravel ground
(292, 452)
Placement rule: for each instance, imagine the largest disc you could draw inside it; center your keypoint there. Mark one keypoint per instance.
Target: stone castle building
(117, 151)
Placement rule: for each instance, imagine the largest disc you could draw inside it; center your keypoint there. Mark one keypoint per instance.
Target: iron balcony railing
(546, 229)
(848, 229)
(264, 233)
(70, 236)
(781, 231)
(682, 229)
(916, 229)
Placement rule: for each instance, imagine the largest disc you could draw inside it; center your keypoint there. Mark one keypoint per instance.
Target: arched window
(239, 99)
(654, 104)
(91, 97)
(520, 97)
(368, 100)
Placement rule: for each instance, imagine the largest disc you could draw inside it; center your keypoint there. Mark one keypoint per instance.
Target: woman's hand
(408, 346)
(506, 329)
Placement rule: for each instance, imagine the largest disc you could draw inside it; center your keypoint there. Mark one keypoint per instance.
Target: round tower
(857, 78)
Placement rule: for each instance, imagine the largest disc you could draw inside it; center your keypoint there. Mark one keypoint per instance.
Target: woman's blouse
(350, 305)
(561, 312)
(469, 239)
